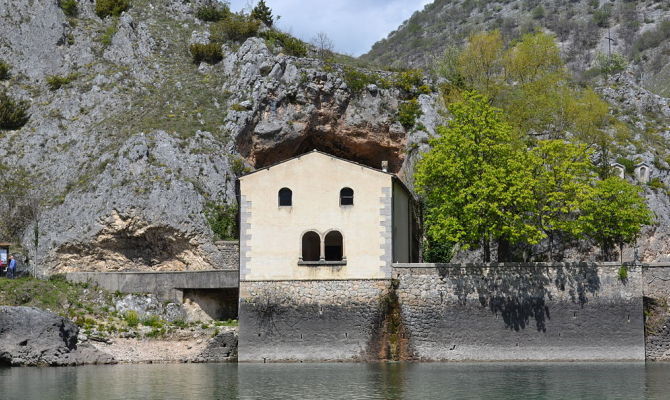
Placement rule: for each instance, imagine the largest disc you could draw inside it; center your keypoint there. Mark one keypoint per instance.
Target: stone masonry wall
(311, 320)
(230, 254)
(656, 311)
(521, 312)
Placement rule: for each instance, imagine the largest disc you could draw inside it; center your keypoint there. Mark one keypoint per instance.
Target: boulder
(30, 336)
(220, 348)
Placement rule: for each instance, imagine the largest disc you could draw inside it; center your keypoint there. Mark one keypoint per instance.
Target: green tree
(614, 214)
(562, 182)
(262, 13)
(474, 180)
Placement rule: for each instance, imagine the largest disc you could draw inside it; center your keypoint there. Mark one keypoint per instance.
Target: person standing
(11, 267)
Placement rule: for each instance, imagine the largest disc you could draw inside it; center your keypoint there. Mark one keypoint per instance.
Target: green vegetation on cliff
(481, 185)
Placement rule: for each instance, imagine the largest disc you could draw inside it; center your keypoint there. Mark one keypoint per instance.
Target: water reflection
(341, 381)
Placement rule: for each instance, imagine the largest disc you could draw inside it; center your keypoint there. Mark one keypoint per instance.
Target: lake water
(341, 381)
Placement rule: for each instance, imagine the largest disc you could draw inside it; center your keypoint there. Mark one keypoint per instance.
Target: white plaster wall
(273, 234)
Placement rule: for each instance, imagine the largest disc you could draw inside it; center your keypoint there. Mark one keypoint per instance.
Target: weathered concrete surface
(165, 285)
(571, 311)
(30, 336)
(311, 320)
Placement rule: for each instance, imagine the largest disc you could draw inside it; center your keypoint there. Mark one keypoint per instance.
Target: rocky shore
(33, 337)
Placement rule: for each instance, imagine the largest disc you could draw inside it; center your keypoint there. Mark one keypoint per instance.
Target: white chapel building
(320, 217)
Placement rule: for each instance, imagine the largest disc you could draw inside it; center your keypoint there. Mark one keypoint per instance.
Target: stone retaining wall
(310, 320)
(229, 251)
(521, 312)
(657, 314)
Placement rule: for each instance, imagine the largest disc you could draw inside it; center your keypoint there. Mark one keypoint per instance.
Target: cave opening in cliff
(365, 151)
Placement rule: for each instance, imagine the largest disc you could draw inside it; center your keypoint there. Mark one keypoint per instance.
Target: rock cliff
(136, 143)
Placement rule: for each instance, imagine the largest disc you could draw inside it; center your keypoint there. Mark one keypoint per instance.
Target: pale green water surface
(341, 381)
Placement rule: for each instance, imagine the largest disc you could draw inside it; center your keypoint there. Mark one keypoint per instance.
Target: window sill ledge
(322, 263)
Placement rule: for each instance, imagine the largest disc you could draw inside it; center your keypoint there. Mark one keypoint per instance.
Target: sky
(353, 25)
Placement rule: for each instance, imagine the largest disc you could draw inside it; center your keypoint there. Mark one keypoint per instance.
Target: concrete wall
(310, 320)
(271, 235)
(521, 312)
(166, 285)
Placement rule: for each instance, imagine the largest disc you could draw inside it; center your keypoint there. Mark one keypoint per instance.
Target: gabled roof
(318, 152)
(392, 175)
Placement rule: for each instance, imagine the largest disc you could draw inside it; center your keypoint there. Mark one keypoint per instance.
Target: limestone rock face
(129, 154)
(30, 336)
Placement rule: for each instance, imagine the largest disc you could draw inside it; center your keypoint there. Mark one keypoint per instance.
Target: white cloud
(353, 25)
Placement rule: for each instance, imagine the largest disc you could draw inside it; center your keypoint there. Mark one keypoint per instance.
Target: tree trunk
(486, 246)
(504, 250)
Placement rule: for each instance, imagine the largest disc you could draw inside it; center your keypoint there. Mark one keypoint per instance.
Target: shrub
(105, 8)
(291, 45)
(56, 82)
(611, 64)
(602, 17)
(213, 13)
(656, 183)
(131, 318)
(209, 53)
(623, 273)
(408, 112)
(237, 27)
(69, 7)
(629, 165)
(13, 114)
(408, 80)
(4, 70)
(357, 80)
(222, 218)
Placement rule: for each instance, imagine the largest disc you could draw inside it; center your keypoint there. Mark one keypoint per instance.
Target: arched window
(333, 246)
(347, 197)
(311, 246)
(285, 197)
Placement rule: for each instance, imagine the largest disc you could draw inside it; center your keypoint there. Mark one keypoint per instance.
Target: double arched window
(285, 197)
(313, 253)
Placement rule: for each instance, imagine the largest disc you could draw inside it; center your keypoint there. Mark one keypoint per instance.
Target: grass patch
(109, 32)
(131, 318)
(4, 70)
(56, 82)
